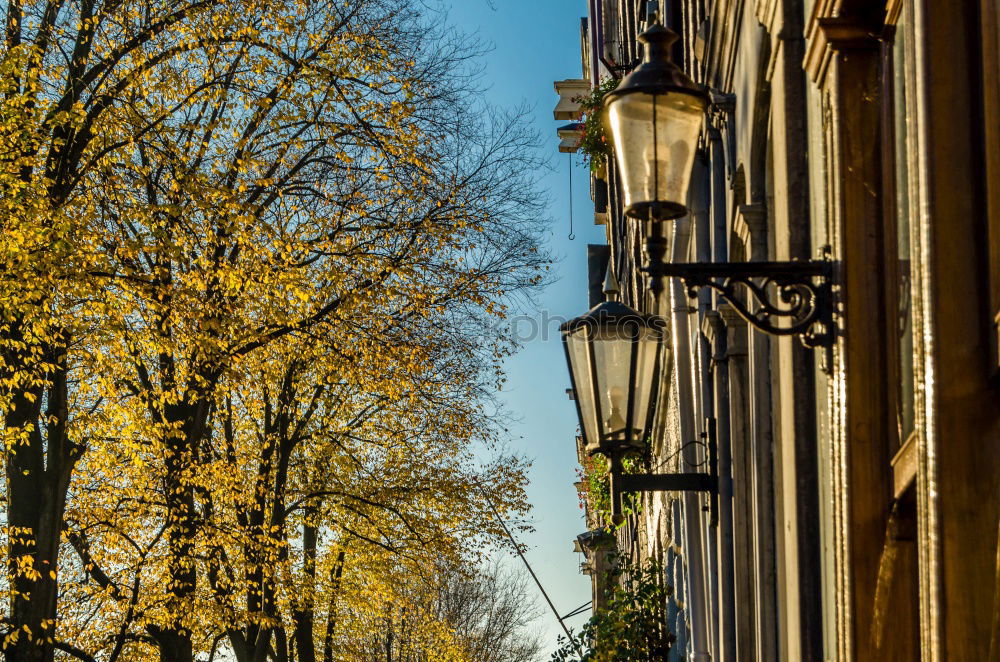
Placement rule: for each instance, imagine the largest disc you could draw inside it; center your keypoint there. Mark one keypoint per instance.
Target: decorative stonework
(767, 10)
(570, 92)
(712, 328)
(750, 225)
(736, 326)
(569, 137)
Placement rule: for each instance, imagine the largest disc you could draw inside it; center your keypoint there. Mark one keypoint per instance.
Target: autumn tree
(491, 610)
(67, 67)
(480, 612)
(317, 499)
(249, 178)
(384, 495)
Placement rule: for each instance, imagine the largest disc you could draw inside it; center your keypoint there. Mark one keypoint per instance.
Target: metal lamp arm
(804, 303)
(621, 483)
(803, 306)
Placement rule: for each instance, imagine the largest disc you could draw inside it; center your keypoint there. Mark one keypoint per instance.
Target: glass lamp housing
(613, 354)
(654, 117)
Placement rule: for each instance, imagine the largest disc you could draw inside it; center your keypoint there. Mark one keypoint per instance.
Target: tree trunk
(305, 644)
(280, 645)
(174, 640)
(331, 621)
(175, 646)
(38, 475)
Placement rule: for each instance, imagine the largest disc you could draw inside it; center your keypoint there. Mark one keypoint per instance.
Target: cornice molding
(827, 35)
(847, 33)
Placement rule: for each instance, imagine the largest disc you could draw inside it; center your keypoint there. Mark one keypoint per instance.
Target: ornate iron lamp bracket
(792, 298)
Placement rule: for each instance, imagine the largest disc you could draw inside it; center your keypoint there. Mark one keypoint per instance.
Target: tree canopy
(255, 256)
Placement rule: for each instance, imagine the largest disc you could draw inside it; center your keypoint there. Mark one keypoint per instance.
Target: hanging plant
(595, 145)
(631, 627)
(594, 490)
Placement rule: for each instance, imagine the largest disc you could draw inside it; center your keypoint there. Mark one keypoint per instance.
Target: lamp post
(655, 116)
(614, 354)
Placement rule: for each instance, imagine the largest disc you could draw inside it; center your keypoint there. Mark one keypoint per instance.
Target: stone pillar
(745, 585)
(714, 330)
(750, 225)
(600, 550)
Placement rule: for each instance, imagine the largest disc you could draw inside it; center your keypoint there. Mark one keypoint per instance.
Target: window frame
(901, 444)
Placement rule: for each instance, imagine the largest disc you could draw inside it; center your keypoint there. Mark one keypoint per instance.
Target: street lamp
(614, 353)
(655, 116)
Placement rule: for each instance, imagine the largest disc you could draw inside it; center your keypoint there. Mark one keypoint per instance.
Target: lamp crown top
(658, 40)
(658, 74)
(611, 314)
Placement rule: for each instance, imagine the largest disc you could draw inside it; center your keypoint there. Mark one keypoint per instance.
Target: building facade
(857, 515)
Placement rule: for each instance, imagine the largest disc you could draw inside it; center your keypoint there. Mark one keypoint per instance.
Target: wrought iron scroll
(784, 298)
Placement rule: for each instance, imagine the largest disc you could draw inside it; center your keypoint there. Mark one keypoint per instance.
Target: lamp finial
(611, 289)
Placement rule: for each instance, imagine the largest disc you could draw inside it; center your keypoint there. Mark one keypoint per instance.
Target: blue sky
(537, 42)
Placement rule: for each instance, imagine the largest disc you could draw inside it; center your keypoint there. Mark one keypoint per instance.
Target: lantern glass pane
(576, 343)
(613, 355)
(655, 136)
(645, 371)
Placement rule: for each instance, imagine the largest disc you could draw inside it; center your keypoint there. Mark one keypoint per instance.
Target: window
(990, 13)
(898, 244)
(894, 623)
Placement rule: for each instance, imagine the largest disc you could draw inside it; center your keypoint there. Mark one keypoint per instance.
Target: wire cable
(662, 462)
(527, 565)
(572, 236)
(579, 610)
